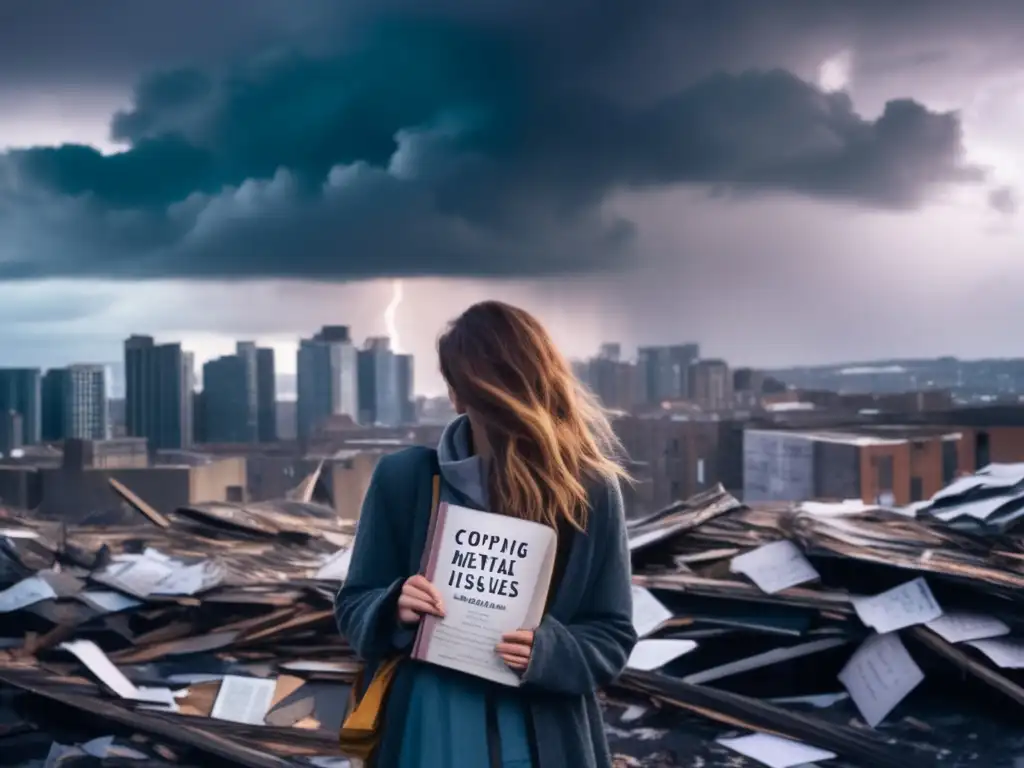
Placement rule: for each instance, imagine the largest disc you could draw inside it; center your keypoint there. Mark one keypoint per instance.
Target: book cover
(493, 573)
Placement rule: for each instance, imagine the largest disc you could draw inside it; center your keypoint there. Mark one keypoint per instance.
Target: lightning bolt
(390, 313)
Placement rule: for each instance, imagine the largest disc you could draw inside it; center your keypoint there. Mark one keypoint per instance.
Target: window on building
(982, 450)
(674, 446)
(676, 492)
(884, 473)
(916, 489)
(949, 461)
(700, 471)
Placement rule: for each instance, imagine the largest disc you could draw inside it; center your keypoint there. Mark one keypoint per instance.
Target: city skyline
(849, 174)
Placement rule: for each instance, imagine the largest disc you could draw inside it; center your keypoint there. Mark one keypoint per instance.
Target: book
(493, 573)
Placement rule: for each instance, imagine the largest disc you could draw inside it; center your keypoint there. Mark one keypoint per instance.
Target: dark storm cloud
(482, 143)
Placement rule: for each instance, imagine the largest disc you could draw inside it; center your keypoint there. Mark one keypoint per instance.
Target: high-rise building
(74, 403)
(712, 384)
(327, 379)
(247, 351)
(21, 392)
(266, 395)
(159, 385)
(666, 371)
(406, 388)
(10, 432)
(378, 384)
(228, 405)
(54, 385)
(615, 383)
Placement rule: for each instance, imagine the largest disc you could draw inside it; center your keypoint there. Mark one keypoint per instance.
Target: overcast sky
(789, 182)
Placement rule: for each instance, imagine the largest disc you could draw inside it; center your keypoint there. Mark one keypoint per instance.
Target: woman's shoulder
(408, 463)
(605, 493)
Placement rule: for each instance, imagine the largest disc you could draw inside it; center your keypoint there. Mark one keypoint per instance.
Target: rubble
(840, 634)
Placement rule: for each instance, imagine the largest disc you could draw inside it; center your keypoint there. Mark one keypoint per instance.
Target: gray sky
(793, 182)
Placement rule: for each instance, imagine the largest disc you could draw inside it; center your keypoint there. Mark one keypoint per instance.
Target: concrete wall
(211, 482)
(349, 481)
(75, 495)
(777, 466)
(681, 457)
(19, 487)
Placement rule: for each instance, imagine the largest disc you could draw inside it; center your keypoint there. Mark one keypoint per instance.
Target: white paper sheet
(775, 567)
(879, 676)
(648, 612)
(959, 627)
(775, 752)
(335, 567)
(189, 579)
(138, 576)
(244, 699)
(18, 533)
(108, 601)
(903, 606)
(97, 662)
(649, 655)
(25, 593)
(1004, 652)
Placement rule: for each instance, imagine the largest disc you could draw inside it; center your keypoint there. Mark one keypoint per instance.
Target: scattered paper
(633, 713)
(775, 567)
(959, 627)
(59, 753)
(137, 577)
(1004, 652)
(244, 699)
(903, 606)
(107, 601)
(335, 567)
(26, 592)
(18, 533)
(649, 655)
(879, 676)
(190, 579)
(97, 662)
(648, 612)
(774, 751)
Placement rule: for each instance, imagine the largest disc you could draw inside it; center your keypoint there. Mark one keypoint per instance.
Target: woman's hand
(418, 598)
(515, 649)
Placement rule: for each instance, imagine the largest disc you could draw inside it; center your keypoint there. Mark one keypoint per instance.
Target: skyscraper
(21, 392)
(74, 403)
(229, 409)
(406, 389)
(327, 379)
(266, 395)
(378, 384)
(666, 371)
(159, 382)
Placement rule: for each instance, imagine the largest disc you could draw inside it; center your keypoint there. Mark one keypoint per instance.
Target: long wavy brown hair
(546, 433)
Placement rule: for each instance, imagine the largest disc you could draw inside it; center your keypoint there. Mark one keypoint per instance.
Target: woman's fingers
(428, 591)
(516, 662)
(513, 650)
(417, 605)
(521, 636)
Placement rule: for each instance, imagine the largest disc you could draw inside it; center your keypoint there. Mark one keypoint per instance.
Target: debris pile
(837, 634)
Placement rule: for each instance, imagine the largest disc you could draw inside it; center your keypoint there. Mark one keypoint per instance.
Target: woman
(529, 442)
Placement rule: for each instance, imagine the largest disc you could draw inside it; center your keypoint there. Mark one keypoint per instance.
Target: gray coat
(581, 645)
